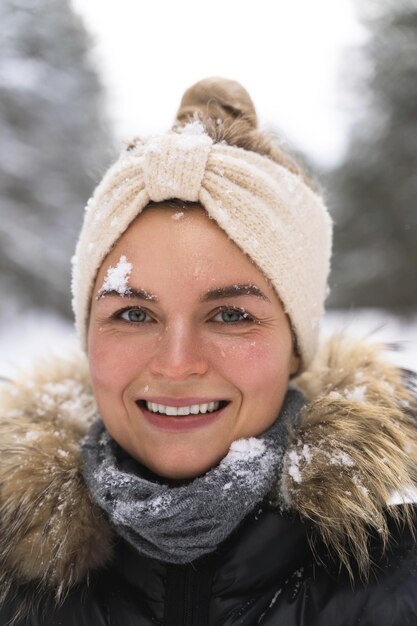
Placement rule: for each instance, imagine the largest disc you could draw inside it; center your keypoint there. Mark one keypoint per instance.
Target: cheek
(252, 364)
(113, 363)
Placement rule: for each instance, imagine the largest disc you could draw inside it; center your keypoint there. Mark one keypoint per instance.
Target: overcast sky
(287, 54)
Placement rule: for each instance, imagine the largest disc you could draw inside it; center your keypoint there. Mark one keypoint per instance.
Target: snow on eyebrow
(117, 278)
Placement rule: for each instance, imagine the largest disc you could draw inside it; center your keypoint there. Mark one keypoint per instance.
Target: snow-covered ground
(28, 334)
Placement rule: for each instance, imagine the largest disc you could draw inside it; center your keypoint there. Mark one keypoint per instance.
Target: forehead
(181, 250)
(181, 240)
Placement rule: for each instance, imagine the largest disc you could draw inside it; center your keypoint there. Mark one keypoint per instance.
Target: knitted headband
(269, 212)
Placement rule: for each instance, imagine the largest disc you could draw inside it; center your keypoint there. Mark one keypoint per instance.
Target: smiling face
(188, 344)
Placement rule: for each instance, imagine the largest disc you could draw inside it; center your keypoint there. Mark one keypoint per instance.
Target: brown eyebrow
(234, 290)
(141, 294)
(229, 291)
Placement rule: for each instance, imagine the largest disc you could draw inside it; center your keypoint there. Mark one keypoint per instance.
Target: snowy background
(287, 54)
(337, 80)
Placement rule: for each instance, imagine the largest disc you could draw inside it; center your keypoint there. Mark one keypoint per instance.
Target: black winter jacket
(264, 574)
(304, 563)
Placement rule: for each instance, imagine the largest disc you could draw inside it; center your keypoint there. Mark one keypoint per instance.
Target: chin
(178, 468)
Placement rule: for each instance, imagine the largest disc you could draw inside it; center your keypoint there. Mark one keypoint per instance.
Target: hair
(227, 113)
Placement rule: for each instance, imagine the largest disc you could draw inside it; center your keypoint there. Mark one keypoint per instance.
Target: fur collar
(356, 444)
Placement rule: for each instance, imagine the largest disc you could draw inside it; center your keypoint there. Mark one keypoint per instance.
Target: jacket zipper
(188, 597)
(188, 593)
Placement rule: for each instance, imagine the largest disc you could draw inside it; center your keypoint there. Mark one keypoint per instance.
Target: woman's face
(196, 354)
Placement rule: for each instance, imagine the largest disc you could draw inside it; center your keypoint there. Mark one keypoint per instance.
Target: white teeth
(194, 409)
(183, 410)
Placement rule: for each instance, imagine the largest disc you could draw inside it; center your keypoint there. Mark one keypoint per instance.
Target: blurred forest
(374, 191)
(56, 141)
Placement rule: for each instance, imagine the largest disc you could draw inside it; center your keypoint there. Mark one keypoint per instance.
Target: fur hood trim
(355, 445)
(355, 448)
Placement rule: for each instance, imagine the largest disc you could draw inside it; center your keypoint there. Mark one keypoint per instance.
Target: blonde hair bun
(227, 113)
(218, 99)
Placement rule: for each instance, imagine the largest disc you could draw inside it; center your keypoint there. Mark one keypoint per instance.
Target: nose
(178, 354)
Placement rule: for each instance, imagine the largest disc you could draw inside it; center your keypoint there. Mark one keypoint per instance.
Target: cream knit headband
(270, 213)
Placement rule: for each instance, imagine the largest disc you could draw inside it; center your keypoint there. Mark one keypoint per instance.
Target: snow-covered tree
(55, 141)
(375, 189)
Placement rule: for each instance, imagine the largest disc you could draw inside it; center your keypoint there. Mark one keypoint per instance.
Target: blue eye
(233, 316)
(132, 315)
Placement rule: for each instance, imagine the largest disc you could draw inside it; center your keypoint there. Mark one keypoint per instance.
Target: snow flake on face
(117, 278)
(179, 215)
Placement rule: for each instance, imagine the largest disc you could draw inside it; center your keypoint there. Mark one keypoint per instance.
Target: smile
(187, 414)
(193, 409)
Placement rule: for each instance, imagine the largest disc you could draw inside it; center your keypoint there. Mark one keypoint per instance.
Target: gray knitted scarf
(178, 524)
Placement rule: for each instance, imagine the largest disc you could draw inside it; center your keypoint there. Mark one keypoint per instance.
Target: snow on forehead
(117, 277)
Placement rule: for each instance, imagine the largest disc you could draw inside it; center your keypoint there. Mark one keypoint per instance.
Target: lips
(183, 409)
(179, 414)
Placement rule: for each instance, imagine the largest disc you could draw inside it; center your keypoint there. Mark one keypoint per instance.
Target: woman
(212, 466)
